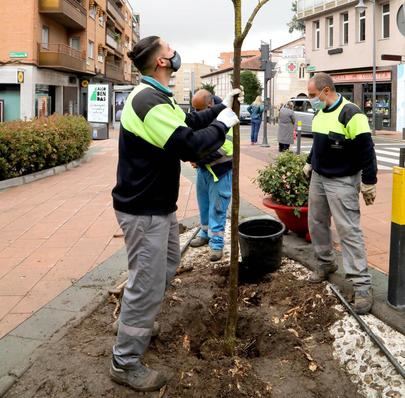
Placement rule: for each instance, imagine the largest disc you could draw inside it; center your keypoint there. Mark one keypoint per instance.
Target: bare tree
(240, 35)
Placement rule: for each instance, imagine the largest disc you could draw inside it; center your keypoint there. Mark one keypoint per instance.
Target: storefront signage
(98, 103)
(362, 77)
(311, 68)
(18, 54)
(297, 52)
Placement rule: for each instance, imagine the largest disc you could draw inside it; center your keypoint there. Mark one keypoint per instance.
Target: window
(93, 11)
(362, 26)
(345, 28)
(317, 35)
(90, 49)
(301, 72)
(329, 31)
(74, 42)
(385, 21)
(45, 36)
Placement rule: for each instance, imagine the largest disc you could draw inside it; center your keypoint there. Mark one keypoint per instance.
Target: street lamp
(362, 7)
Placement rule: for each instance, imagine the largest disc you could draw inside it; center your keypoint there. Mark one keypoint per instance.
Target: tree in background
(240, 35)
(294, 24)
(208, 87)
(251, 86)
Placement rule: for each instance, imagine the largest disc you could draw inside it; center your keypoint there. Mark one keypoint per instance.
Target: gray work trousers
(153, 249)
(339, 198)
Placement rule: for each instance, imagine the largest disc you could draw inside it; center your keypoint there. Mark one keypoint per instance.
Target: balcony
(69, 13)
(113, 43)
(61, 57)
(114, 72)
(307, 8)
(116, 13)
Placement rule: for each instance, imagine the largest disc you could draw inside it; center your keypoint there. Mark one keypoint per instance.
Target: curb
(26, 179)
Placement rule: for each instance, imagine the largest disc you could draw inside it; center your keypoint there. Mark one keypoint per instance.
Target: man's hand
(369, 193)
(307, 170)
(228, 101)
(228, 117)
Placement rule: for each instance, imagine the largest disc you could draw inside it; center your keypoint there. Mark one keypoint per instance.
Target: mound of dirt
(283, 347)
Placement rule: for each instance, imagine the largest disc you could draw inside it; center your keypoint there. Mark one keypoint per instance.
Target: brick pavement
(55, 230)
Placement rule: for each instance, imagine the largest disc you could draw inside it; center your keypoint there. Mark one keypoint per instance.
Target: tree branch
(249, 23)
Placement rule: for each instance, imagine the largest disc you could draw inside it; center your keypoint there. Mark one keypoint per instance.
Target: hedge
(27, 147)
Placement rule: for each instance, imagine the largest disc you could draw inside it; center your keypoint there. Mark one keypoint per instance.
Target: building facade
(290, 78)
(186, 80)
(226, 58)
(339, 41)
(52, 49)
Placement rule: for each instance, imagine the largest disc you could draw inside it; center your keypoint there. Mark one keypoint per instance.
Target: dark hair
(143, 51)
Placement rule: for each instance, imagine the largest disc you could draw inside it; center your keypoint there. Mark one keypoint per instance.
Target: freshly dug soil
(283, 350)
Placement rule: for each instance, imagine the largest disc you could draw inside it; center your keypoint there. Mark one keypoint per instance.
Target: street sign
(98, 103)
(18, 54)
(401, 19)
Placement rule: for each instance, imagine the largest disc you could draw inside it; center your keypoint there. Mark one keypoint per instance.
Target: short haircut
(323, 80)
(143, 52)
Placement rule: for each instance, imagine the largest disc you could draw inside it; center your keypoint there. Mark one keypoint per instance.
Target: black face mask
(175, 61)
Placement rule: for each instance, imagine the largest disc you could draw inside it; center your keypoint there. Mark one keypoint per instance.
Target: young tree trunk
(230, 330)
(232, 319)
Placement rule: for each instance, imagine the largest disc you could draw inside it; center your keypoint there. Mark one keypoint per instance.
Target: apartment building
(52, 49)
(339, 41)
(187, 79)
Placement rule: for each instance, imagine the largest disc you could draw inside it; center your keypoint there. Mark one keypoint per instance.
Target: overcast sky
(201, 29)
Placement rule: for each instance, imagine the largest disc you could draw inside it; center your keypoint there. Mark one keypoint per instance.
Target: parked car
(244, 116)
(304, 112)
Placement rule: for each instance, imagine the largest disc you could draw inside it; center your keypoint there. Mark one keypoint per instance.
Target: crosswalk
(387, 154)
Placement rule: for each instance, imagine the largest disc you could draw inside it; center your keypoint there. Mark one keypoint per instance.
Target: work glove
(307, 170)
(236, 92)
(228, 117)
(369, 193)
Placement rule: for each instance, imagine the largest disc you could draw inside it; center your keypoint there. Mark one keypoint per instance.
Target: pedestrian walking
(256, 111)
(286, 125)
(343, 164)
(214, 187)
(155, 134)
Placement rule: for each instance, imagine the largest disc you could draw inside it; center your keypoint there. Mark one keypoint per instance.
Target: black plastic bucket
(261, 242)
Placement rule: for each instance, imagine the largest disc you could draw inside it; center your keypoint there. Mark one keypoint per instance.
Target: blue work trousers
(213, 201)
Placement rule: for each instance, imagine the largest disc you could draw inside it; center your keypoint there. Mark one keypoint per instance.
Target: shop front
(358, 88)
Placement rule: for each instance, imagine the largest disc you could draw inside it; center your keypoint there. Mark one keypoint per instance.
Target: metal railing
(61, 56)
(115, 12)
(309, 7)
(61, 48)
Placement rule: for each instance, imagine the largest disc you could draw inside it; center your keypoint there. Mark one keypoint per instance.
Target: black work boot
(322, 273)
(139, 378)
(363, 301)
(198, 241)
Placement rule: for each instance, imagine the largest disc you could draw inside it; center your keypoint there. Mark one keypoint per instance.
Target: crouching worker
(155, 134)
(214, 187)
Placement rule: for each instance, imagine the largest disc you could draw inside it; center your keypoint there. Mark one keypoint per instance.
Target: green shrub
(285, 181)
(27, 147)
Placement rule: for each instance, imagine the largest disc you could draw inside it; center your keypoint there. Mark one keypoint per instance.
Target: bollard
(299, 128)
(396, 276)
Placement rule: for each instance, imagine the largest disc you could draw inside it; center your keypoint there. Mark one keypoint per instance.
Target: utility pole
(264, 58)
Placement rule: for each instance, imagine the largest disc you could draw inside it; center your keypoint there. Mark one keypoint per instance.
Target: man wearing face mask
(155, 134)
(343, 163)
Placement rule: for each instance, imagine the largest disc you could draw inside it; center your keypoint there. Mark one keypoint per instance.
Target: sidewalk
(53, 231)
